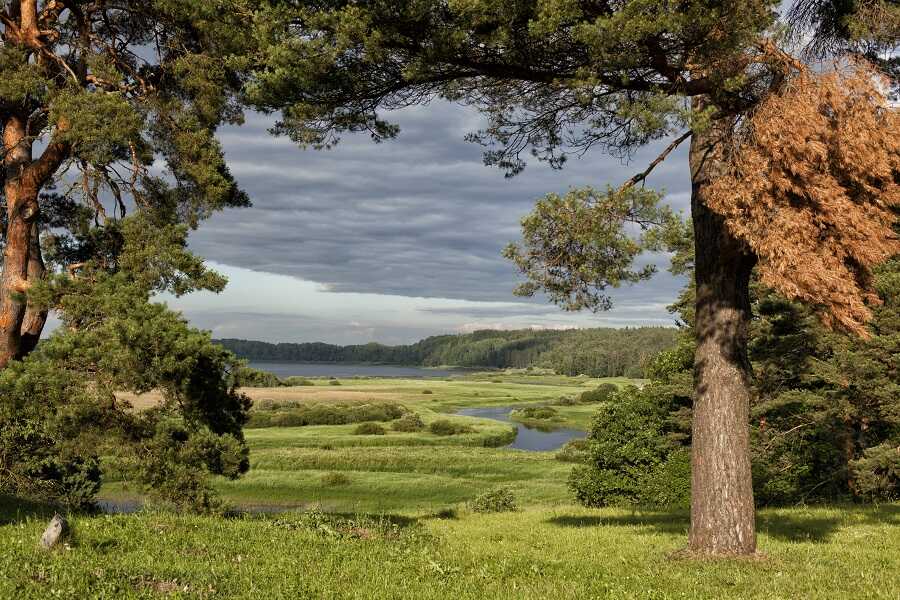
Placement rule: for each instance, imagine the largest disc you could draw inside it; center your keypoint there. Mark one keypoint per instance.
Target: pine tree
(90, 95)
(568, 75)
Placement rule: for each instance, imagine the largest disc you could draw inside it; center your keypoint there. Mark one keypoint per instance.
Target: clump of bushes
(535, 412)
(877, 473)
(637, 454)
(427, 392)
(369, 428)
(335, 479)
(409, 423)
(245, 376)
(276, 414)
(295, 381)
(448, 427)
(495, 501)
(334, 382)
(565, 401)
(446, 513)
(498, 440)
(603, 393)
(574, 451)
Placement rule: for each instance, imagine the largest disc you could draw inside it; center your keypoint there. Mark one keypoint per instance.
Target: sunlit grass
(540, 552)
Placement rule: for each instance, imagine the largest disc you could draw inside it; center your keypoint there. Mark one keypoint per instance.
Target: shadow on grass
(795, 525)
(655, 521)
(15, 510)
(803, 525)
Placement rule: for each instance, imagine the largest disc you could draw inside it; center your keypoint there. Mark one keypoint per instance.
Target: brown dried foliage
(813, 188)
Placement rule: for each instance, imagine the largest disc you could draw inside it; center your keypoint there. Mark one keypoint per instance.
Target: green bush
(301, 415)
(335, 479)
(602, 393)
(498, 440)
(565, 401)
(637, 452)
(249, 377)
(334, 382)
(369, 428)
(495, 501)
(669, 483)
(573, 451)
(877, 473)
(535, 412)
(295, 381)
(448, 427)
(446, 513)
(427, 392)
(409, 423)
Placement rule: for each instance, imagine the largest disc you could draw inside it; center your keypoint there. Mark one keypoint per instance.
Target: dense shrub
(334, 382)
(574, 451)
(409, 423)
(335, 479)
(497, 440)
(534, 412)
(499, 500)
(877, 473)
(249, 377)
(602, 393)
(630, 445)
(295, 381)
(301, 415)
(59, 416)
(448, 427)
(369, 428)
(669, 483)
(427, 392)
(565, 401)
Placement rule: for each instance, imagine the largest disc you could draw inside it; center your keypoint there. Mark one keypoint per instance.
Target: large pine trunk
(21, 255)
(722, 509)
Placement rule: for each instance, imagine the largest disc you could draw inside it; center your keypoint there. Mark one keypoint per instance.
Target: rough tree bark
(22, 212)
(35, 318)
(722, 509)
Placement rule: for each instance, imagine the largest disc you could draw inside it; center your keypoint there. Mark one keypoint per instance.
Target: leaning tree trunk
(21, 192)
(722, 510)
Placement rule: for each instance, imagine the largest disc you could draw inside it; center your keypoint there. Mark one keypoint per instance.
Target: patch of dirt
(299, 395)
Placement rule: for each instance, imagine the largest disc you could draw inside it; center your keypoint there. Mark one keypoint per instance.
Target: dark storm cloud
(416, 216)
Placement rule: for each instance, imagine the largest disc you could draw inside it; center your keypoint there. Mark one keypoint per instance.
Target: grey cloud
(417, 216)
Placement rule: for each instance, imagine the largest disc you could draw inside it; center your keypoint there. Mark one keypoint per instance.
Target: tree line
(596, 352)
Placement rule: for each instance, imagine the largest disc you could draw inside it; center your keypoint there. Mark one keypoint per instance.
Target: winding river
(533, 440)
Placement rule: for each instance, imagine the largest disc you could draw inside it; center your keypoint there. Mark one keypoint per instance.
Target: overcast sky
(395, 241)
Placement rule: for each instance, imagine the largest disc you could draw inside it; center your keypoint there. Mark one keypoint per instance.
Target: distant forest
(595, 352)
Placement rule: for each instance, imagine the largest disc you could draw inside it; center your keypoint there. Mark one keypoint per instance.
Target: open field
(388, 516)
(478, 389)
(401, 471)
(539, 552)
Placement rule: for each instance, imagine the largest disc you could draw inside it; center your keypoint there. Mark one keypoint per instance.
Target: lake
(526, 438)
(299, 369)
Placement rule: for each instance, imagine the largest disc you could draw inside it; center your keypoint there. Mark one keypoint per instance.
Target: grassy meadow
(335, 514)
(400, 471)
(537, 552)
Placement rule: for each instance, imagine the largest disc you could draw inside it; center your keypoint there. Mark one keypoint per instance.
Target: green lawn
(386, 516)
(539, 552)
